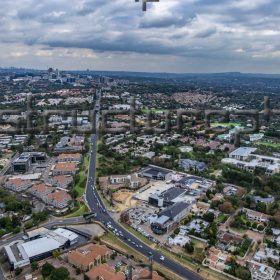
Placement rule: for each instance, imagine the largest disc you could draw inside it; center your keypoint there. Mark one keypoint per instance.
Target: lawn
(80, 186)
(221, 218)
(80, 210)
(240, 224)
(153, 110)
(224, 124)
(197, 243)
(269, 145)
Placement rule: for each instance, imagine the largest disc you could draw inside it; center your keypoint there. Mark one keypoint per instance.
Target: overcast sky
(172, 36)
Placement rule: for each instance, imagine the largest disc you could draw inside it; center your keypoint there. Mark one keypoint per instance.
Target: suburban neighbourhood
(108, 204)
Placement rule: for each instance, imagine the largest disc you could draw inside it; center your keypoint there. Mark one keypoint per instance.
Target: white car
(162, 258)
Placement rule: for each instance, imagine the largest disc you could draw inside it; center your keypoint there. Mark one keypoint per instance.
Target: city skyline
(172, 36)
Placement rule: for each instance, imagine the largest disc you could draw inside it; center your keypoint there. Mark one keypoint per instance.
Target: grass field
(224, 124)
(153, 110)
(81, 184)
(82, 209)
(221, 218)
(269, 145)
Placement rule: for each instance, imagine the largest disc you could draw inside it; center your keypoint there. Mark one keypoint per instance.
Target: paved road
(96, 205)
(49, 225)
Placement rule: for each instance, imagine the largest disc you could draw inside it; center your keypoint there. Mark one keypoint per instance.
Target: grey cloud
(207, 29)
(206, 33)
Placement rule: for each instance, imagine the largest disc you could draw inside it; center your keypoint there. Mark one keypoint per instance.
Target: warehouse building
(22, 253)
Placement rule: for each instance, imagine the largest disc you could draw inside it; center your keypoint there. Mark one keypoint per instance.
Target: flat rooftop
(155, 170)
(152, 188)
(172, 193)
(40, 246)
(70, 235)
(243, 151)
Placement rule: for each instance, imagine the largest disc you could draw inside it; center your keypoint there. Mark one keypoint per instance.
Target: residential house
(260, 271)
(76, 157)
(89, 256)
(244, 158)
(18, 185)
(189, 164)
(265, 200)
(230, 190)
(229, 241)
(104, 272)
(179, 240)
(266, 254)
(196, 225)
(67, 168)
(256, 216)
(242, 153)
(131, 181)
(217, 259)
(59, 199)
(146, 274)
(41, 191)
(186, 149)
(61, 181)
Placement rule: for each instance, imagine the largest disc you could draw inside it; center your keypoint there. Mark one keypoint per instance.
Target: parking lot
(141, 218)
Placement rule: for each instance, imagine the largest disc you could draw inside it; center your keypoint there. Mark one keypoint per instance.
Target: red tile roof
(106, 272)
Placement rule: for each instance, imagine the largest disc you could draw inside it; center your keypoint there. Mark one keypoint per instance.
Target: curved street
(96, 206)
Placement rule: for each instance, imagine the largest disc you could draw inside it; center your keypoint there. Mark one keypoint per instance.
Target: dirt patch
(122, 197)
(256, 236)
(124, 200)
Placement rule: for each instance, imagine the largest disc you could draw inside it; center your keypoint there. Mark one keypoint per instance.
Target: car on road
(162, 258)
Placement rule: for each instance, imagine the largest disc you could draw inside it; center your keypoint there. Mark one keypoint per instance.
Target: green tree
(59, 274)
(18, 271)
(189, 248)
(34, 266)
(243, 273)
(47, 269)
(55, 254)
(78, 271)
(209, 217)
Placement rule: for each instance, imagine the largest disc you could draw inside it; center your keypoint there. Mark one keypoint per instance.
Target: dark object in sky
(144, 2)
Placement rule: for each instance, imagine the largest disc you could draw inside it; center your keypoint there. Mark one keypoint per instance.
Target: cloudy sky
(172, 36)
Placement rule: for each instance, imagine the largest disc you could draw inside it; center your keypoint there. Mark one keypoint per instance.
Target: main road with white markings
(97, 206)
